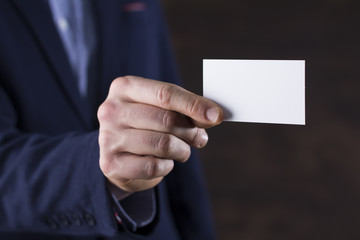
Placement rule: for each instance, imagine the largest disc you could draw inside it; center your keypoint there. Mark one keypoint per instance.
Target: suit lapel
(37, 15)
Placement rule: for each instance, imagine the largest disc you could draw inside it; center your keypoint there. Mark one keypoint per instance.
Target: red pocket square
(134, 7)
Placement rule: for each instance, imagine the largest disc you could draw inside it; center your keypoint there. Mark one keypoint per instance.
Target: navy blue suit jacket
(50, 181)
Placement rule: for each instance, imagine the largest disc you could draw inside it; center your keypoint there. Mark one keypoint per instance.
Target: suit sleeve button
(52, 223)
(64, 220)
(76, 219)
(89, 219)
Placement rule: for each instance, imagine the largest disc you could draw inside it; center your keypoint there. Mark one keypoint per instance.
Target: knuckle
(151, 168)
(184, 152)
(106, 111)
(111, 143)
(120, 83)
(104, 139)
(195, 136)
(193, 106)
(168, 120)
(163, 143)
(163, 95)
(112, 165)
(105, 166)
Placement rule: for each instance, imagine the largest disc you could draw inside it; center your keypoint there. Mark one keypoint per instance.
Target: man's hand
(146, 125)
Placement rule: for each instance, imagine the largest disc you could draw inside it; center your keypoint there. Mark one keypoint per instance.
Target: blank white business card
(261, 91)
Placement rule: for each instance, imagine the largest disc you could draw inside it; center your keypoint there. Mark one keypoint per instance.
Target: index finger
(203, 112)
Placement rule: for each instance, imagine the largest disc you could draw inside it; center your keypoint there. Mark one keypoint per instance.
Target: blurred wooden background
(270, 181)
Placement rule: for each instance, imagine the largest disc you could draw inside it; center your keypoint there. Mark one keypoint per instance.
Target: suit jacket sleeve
(50, 184)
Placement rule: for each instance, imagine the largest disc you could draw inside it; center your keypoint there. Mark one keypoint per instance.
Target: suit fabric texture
(51, 186)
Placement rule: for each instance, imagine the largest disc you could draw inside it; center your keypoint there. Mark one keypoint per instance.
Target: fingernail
(212, 114)
(204, 139)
